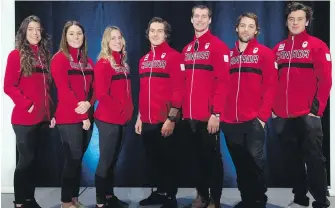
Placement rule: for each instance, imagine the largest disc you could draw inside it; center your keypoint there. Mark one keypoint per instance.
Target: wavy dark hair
(27, 57)
(63, 46)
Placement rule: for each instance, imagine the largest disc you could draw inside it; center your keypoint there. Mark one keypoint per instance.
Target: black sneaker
(155, 198)
(31, 203)
(114, 202)
(170, 202)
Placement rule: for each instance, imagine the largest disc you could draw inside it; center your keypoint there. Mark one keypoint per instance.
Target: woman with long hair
(27, 82)
(72, 71)
(114, 110)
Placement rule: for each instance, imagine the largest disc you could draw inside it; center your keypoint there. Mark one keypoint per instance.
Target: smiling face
(201, 19)
(296, 22)
(246, 29)
(156, 33)
(115, 44)
(75, 36)
(34, 33)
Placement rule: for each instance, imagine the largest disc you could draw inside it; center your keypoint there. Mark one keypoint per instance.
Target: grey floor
(49, 197)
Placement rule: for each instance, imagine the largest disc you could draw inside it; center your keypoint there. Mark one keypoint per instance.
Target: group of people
(207, 87)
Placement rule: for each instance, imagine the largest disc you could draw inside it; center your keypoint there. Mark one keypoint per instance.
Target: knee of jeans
(71, 167)
(25, 162)
(312, 157)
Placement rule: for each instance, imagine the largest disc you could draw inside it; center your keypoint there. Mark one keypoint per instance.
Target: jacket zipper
(191, 92)
(152, 63)
(44, 81)
(288, 76)
(238, 85)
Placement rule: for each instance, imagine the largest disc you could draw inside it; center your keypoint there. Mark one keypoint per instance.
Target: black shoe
(114, 202)
(155, 198)
(170, 202)
(31, 203)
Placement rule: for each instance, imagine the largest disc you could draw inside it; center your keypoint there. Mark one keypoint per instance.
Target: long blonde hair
(106, 52)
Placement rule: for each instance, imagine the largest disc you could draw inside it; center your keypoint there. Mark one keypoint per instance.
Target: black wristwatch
(172, 118)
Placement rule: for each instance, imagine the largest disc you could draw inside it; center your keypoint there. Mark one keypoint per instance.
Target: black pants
(27, 143)
(209, 158)
(245, 142)
(162, 156)
(75, 141)
(111, 137)
(301, 139)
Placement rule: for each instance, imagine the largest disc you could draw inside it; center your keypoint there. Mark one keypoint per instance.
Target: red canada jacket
(305, 78)
(206, 62)
(253, 82)
(26, 91)
(161, 83)
(113, 91)
(74, 82)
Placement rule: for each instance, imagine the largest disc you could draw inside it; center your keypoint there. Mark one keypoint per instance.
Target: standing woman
(72, 71)
(27, 81)
(115, 108)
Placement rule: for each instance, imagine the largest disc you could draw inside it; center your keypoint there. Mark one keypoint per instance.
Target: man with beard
(247, 109)
(206, 61)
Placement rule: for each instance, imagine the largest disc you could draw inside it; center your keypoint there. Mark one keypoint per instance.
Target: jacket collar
(75, 53)
(160, 48)
(251, 44)
(204, 37)
(301, 36)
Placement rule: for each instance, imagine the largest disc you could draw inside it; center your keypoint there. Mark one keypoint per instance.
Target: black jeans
(162, 156)
(209, 158)
(301, 139)
(245, 142)
(111, 137)
(27, 144)
(75, 141)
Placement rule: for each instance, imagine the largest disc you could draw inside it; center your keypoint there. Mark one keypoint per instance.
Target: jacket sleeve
(60, 77)
(102, 83)
(322, 69)
(269, 85)
(221, 63)
(11, 81)
(91, 97)
(177, 77)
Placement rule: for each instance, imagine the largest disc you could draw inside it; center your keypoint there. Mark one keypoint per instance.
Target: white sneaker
(294, 205)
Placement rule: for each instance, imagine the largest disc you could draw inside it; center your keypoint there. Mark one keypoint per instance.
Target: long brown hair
(27, 57)
(63, 46)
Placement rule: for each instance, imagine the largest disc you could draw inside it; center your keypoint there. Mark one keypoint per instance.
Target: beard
(246, 40)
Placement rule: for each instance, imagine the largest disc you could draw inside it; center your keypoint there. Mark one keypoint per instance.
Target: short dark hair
(202, 6)
(251, 16)
(295, 6)
(167, 27)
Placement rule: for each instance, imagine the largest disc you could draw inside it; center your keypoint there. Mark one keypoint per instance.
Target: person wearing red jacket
(27, 82)
(305, 80)
(252, 86)
(160, 99)
(206, 61)
(72, 71)
(114, 111)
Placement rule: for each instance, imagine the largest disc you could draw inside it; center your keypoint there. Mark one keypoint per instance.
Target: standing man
(161, 93)
(247, 108)
(206, 61)
(304, 64)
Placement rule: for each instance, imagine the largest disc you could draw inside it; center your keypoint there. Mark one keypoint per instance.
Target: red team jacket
(26, 91)
(161, 83)
(304, 65)
(206, 62)
(74, 83)
(113, 91)
(253, 82)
